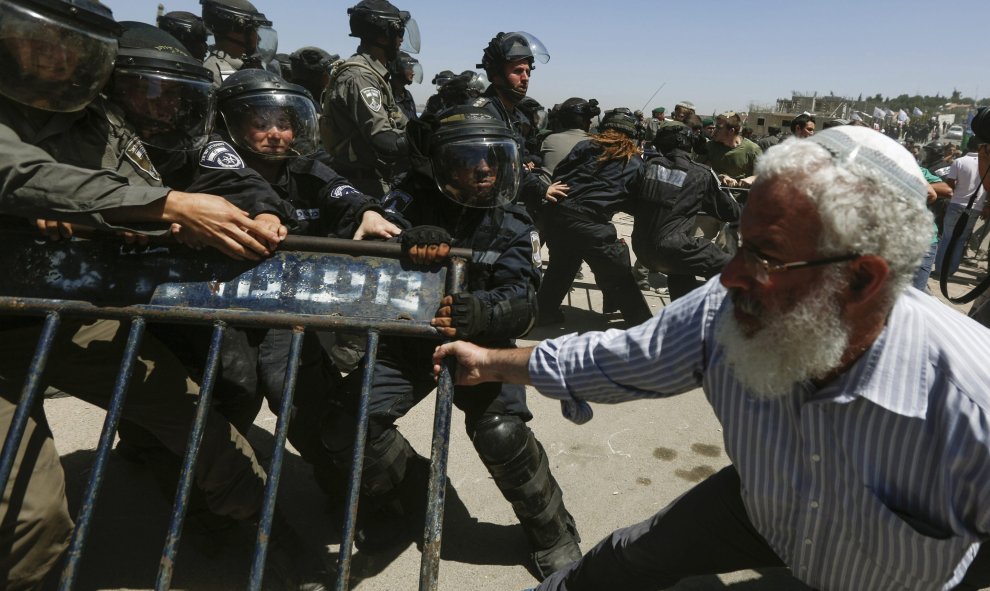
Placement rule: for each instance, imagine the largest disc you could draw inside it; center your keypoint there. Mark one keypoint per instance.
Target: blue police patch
(220, 155)
(342, 190)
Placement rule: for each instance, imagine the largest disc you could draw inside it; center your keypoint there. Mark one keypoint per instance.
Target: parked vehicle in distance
(955, 132)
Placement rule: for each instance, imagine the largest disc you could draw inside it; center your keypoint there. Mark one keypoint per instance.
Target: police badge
(373, 98)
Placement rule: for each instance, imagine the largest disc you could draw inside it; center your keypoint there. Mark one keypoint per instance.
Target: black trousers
(571, 240)
(705, 531)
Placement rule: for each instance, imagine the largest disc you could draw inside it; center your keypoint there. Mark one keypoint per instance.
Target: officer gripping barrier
(309, 283)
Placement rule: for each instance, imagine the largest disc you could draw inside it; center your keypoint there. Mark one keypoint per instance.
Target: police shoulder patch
(372, 97)
(341, 190)
(534, 238)
(136, 153)
(220, 155)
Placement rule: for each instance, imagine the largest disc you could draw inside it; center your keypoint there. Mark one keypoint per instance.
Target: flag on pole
(901, 116)
(878, 113)
(917, 112)
(855, 117)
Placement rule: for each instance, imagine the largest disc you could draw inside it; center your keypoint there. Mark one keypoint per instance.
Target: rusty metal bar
(357, 465)
(181, 504)
(356, 247)
(114, 409)
(429, 569)
(39, 307)
(278, 453)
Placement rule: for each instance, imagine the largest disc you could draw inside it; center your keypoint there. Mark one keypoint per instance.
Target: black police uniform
(674, 191)
(406, 102)
(579, 227)
(495, 413)
(532, 188)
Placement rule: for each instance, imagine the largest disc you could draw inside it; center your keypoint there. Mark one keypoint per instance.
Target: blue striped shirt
(878, 480)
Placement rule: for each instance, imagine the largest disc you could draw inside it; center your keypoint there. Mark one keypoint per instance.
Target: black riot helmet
(574, 113)
(189, 29)
(406, 68)
(268, 116)
(442, 77)
(57, 54)
(620, 119)
(934, 151)
(224, 17)
(165, 93)
(370, 19)
(534, 112)
(981, 124)
(674, 137)
(474, 156)
(506, 48)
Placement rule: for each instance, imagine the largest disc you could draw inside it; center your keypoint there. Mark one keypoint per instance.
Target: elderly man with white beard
(855, 408)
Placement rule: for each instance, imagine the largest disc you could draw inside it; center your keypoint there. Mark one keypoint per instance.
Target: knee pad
(499, 438)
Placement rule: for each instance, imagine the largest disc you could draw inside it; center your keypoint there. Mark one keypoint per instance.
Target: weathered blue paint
(167, 565)
(85, 517)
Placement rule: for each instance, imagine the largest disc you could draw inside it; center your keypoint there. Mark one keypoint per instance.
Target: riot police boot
(521, 469)
(393, 485)
(554, 542)
(291, 565)
(395, 519)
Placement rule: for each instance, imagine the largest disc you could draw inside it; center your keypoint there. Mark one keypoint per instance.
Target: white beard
(804, 343)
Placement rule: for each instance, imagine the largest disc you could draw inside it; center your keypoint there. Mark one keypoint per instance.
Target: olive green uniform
(737, 162)
(78, 164)
(358, 105)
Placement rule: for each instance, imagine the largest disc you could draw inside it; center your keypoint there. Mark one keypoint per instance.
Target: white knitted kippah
(873, 150)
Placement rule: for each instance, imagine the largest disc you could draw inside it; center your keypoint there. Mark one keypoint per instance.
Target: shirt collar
(894, 373)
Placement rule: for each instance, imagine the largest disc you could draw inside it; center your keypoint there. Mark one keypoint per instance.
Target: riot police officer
(570, 122)
(311, 70)
(674, 191)
(509, 60)
(189, 29)
(462, 196)
(55, 139)
(404, 71)
(362, 127)
(244, 37)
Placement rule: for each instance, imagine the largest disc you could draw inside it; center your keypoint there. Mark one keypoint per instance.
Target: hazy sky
(719, 54)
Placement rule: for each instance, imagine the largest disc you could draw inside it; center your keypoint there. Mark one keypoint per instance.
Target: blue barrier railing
(309, 284)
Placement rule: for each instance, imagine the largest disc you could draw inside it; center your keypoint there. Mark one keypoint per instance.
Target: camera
(981, 125)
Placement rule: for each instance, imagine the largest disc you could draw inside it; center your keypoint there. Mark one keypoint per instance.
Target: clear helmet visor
(478, 172)
(479, 82)
(522, 45)
(271, 124)
(410, 35)
(267, 44)
(417, 72)
(168, 111)
(49, 63)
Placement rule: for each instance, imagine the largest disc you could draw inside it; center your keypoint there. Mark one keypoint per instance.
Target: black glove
(469, 315)
(415, 241)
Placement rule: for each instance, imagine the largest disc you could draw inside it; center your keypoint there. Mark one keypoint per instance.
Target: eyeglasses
(760, 268)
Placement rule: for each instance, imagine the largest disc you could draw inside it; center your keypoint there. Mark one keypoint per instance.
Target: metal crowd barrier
(310, 283)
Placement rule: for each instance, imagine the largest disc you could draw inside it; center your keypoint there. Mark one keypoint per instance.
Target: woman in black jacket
(601, 176)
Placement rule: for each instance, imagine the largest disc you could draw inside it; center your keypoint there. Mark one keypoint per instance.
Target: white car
(954, 133)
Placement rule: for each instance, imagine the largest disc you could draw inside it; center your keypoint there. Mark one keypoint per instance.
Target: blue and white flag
(917, 112)
(901, 116)
(878, 113)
